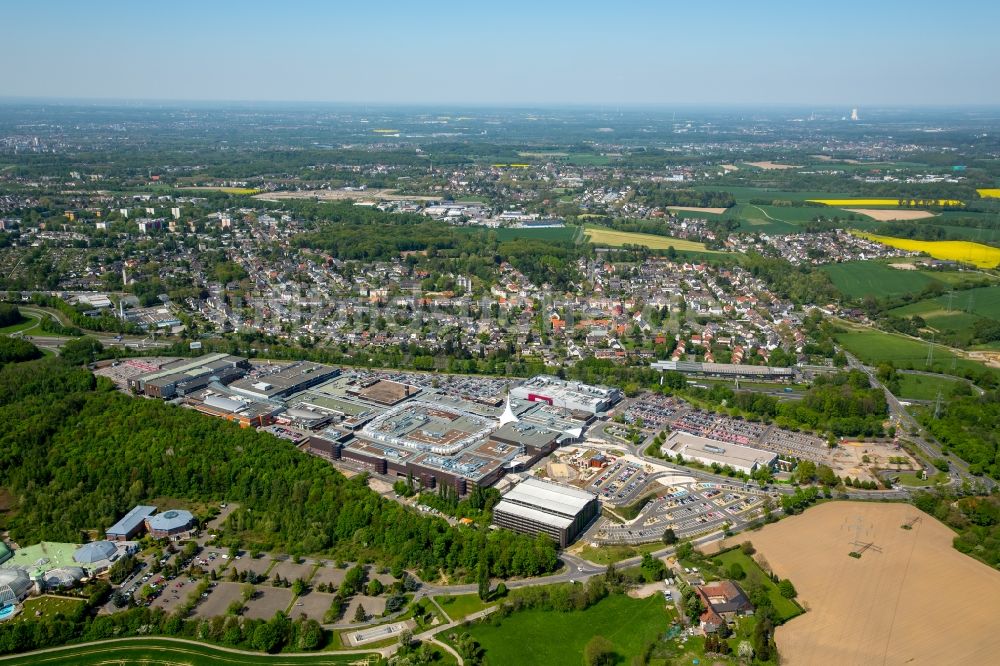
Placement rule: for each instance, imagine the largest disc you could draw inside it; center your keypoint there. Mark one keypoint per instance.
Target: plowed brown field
(917, 601)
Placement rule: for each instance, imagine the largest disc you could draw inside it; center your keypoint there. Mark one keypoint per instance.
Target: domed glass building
(14, 586)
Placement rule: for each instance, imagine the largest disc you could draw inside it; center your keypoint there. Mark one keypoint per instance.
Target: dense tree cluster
(660, 195)
(14, 350)
(967, 426)
(976, 519)
(800, 284)
(10, 315)
(78, 454)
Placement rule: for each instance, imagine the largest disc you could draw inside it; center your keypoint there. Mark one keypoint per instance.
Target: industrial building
(246, 413)
(725, 370)
(574, 396)
(131, 524)
(712, 451)
(186, 376)
(539, 507)
(170, 523)
(283, 380)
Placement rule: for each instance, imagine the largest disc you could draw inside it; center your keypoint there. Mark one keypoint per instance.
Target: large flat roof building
(708, 451)
(574, 396)
(284, 381)
(540, 507)
(739, 370)
(184, 376)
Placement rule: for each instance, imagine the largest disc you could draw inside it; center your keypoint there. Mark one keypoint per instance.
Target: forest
(975, 519)
(662, 196)
(76, 455)
(967, 426)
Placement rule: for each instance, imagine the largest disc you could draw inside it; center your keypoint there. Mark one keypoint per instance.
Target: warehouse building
(131, 524)
(185, 376)
(712, 451)
(539, 507)
(574, 396)
(283, 381)
(246, 413)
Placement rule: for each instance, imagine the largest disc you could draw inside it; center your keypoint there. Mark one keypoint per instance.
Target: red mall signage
(534, 397)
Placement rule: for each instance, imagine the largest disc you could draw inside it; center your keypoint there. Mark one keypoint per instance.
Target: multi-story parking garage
(538, 507)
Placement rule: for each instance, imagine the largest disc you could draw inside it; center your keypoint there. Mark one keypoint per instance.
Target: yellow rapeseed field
(982, 256)
(990, 193)
(902, 203)
(238, 190)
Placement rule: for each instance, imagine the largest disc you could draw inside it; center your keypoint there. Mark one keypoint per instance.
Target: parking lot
(313, 605)
(219, 599)
(689, 510)
(289, 570)
(654, 409)
(174, 593)
(619, 483)
(267, 601)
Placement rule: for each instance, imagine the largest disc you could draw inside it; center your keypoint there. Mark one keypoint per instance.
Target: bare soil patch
(828, 158)
(696, 209)
(883, 215)
(916, 600)
(769, 166)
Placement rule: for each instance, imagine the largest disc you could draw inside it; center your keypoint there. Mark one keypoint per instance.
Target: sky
(721, 52)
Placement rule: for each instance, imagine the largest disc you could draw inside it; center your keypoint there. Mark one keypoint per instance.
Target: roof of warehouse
(132, 519)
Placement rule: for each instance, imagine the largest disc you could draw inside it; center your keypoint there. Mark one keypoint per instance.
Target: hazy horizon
(583, 54)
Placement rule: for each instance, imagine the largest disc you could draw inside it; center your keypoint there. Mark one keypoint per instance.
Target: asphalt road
(927, 445)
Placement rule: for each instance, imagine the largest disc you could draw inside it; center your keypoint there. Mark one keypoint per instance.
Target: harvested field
(828, 158)
(604, 236)
(915, 601)
(771, 166)
(887, 215)
(696, 209)
(344, 195)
